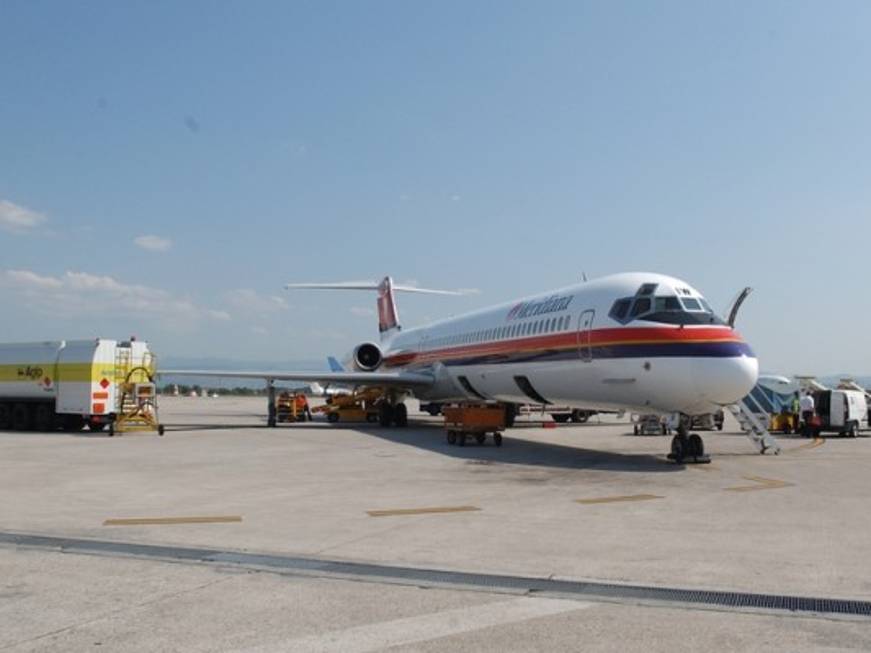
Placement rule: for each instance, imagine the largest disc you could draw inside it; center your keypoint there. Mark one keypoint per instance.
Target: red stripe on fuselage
(569, 339)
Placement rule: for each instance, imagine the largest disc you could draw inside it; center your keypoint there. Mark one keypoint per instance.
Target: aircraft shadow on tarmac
(515, 450)
(519, 451)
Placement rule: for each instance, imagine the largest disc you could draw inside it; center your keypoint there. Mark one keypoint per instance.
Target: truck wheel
(333, 417)
(580, 416)
(5, 417)
(497, 439)
(96, 427)
(480, 437)
(461, 439)
(160, 430)
(452, 437)
(560, 418)
(43, 418)
(854, 430)
(72, 423)
(21, 417)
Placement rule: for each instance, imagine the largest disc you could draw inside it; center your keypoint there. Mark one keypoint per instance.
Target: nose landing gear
(688, 447)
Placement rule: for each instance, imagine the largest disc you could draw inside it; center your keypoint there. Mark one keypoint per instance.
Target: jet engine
(367, 357)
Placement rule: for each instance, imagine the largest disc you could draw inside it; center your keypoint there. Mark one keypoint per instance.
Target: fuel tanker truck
(67, 384)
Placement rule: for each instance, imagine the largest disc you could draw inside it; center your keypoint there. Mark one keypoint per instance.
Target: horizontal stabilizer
(373, 285)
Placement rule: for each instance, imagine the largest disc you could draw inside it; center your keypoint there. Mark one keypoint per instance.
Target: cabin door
(585, 329)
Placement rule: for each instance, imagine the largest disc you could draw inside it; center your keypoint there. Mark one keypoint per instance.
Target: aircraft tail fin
(335, 365)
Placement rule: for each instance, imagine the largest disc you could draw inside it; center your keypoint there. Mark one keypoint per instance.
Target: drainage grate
(736, 600)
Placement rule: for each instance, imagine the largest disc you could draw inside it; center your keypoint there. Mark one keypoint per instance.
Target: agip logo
(30, 372)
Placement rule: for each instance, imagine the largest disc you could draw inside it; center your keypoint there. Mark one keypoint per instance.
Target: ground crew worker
(796, 411)
(302, 406)
(806, 403)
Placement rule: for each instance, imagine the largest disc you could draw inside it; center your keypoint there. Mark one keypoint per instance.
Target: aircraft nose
(724, 381)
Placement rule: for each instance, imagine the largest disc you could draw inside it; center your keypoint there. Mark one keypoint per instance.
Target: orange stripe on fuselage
(569, 339)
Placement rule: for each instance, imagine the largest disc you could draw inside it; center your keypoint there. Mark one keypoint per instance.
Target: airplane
(636, 341)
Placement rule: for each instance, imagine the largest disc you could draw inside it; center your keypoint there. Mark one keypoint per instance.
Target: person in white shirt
(806, 404)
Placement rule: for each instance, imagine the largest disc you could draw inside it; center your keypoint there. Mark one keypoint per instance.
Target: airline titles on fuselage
(552, 304)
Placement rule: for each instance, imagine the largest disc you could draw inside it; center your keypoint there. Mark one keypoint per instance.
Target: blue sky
(166, 167)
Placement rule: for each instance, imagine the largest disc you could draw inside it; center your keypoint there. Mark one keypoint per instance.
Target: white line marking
(412, 630)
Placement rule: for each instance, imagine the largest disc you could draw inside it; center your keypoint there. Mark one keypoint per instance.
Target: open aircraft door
(585, 329)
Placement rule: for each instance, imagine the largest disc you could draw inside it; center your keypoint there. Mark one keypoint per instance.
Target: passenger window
(642, 305)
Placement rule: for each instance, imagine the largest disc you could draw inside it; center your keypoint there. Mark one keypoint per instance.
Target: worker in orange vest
(302, 406)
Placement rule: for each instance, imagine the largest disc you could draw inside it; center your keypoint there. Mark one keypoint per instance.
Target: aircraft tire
(696, 445)
(678, 449)
(385, 414)
(400, 415)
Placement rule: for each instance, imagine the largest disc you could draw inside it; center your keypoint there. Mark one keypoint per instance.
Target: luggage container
(474, 420)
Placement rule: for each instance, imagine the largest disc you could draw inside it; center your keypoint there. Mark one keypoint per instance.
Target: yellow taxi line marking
(420, 511)
(620, 499)
(153, 521)
(762, 484)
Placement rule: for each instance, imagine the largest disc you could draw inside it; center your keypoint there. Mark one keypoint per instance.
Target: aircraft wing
(392, 379)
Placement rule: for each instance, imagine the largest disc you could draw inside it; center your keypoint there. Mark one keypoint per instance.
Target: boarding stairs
(755, 424)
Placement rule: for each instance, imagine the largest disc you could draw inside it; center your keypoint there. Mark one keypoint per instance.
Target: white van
(840, 411)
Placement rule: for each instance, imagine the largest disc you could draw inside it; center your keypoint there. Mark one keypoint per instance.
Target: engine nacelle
(367, 357)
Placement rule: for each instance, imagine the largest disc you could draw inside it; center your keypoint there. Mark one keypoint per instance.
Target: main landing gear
(392, 414)
(687, 447)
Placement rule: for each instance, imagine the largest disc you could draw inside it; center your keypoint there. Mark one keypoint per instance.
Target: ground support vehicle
(67, 384)
(709, 421)
(362, 406)
(290, 408)
(838, 411)
(649, 425)
(785, 422)
(474, 420)
(434, 408)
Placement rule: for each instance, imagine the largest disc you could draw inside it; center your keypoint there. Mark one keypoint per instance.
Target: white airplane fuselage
(667, 352)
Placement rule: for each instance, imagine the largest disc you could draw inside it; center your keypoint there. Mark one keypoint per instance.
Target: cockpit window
(665, 304)
(647, 289)
(665, 309)
(620, 308)
(642, 305)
